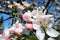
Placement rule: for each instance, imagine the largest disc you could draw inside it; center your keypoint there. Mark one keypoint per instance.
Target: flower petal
(12, 29)
(36, 27)
(20, 25)
(51, 39)
(51, 32)
(29, 26)
(18, 31)
(27, 16)
(40, 34)
(17, 22)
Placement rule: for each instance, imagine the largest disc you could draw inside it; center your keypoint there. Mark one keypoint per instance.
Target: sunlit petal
(36, 27)
(51, 32)
(40, 34)
(50, 39)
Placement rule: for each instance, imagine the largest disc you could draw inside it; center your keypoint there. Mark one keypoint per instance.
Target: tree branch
(47, 5)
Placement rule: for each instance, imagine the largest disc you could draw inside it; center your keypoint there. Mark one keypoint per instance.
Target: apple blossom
(18, 28)
(45, 22)
(29, 26)
(18, 31)
(27, 16)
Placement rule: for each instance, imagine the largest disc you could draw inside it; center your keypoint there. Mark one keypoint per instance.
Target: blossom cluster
(36, 20)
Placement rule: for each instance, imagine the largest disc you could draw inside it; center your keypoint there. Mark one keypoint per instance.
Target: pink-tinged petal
(0, 35)
(29, 26)
(43, 19)
(18, 31)
(3, 36)
(51, 32)
(27, 16)
(40, 34)
(7, 39)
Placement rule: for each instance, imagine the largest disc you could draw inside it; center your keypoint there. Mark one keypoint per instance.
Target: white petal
(40, 34)
(17, 22)
(12, 29)
(51, 32)
(36, 27)
(32, 20)
(51, 39)
(20, 25)
(34, 12)
(34, 16)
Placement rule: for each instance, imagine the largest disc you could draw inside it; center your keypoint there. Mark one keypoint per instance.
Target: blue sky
(6, 23)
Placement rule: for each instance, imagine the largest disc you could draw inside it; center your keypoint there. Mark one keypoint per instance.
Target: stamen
(44, 25)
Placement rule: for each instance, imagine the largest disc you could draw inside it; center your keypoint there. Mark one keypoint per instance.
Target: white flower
(45, 22)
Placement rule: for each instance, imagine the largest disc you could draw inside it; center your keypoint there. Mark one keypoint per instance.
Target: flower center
(44, 25)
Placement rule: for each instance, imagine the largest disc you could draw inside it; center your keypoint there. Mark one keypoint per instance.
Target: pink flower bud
(27, 16)
(7, 39)
(29, 26)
